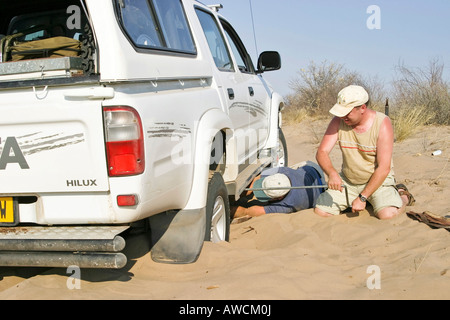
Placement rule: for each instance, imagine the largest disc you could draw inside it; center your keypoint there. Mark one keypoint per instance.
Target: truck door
(258, 96)
(232, 85)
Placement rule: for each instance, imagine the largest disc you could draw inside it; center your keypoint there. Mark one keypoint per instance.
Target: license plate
(8, 211)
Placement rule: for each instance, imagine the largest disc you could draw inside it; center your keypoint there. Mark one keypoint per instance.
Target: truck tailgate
(51, 143)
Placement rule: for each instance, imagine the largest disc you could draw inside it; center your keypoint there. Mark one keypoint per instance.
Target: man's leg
(322, 213)
(333, 202)
(392, 212)
(388, 203)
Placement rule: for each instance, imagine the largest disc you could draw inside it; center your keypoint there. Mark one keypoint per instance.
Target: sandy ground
(297, 256)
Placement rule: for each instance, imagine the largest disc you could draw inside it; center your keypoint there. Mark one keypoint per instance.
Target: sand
(290, 257)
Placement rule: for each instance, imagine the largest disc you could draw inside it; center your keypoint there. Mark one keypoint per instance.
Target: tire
(282, 150)
(217, 210)
(87, 50)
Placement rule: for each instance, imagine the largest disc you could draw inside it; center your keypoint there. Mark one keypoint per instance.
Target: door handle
(251, 91)
(230, 93)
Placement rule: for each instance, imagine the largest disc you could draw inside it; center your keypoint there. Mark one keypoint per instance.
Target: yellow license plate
(8, 211)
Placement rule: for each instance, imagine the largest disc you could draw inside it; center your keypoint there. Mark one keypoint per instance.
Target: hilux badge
(82, 183)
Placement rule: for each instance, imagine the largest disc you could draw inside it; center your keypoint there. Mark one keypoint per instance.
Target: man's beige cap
(349, 98)
(277, 181)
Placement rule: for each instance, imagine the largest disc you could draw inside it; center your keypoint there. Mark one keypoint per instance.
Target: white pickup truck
(123, 113)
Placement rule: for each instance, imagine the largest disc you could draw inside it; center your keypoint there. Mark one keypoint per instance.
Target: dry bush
(420, 95)
(317, 86)
(423, 89)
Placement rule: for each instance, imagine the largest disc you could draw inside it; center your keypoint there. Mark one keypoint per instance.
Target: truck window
(47, 29)
(241, 55)
(41, 25)
(215, 40)
(156, 24)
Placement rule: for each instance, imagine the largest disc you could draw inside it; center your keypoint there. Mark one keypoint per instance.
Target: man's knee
(388, 213)
(322, 213)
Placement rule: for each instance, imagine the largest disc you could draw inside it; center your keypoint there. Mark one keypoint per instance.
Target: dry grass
(292, 115)
(407, 120)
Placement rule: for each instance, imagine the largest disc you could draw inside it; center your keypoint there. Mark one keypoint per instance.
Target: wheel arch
(211, 125)
(277, 106)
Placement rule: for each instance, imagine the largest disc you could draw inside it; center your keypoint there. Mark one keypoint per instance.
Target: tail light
(124, 141)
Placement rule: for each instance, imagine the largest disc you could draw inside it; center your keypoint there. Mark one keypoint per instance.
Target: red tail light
(124, 141)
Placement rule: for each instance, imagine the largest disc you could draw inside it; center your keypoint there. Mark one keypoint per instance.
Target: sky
(369, 40)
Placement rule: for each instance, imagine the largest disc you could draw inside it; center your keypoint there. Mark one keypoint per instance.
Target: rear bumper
(71, 209)
(96, 208)
(77, 209)
(85, 247)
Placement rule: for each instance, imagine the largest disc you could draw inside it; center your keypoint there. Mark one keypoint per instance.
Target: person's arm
(323, 154)
(253, 211)
(247, 209)
(385, 146)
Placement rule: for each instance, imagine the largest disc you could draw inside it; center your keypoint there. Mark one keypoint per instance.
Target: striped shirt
(359, 151)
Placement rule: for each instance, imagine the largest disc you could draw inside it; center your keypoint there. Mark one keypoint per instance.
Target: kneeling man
(366, 140)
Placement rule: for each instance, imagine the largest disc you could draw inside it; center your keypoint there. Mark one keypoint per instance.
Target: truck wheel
(282, 150)
(217, 210)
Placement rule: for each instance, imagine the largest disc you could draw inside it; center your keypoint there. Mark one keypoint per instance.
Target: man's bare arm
(323, 154)
(253, 211)
(385, 146)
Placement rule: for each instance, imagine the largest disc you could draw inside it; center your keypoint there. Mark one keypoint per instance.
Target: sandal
(432, 220)
(404, 192)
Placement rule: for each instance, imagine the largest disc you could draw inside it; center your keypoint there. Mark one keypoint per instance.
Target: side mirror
(269, 61)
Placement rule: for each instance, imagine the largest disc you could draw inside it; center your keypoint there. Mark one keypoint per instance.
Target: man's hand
(358, 205)
(335, 181)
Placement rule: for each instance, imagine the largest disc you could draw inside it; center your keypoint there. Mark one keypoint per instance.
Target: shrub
(425, 90)
(420, 95)
(317, 87)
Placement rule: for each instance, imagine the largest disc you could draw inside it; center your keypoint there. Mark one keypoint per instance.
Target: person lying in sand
(272, 199)
(366, 140)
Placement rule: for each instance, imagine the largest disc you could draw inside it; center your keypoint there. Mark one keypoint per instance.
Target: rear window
(42, 29)
(47, 24)
(156, 24)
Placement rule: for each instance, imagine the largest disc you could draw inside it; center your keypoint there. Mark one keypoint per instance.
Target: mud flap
(177, 236)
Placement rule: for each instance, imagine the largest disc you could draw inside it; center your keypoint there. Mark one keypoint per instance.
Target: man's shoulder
(380, 115)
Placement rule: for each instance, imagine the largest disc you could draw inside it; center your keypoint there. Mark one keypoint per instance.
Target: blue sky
(411, 32)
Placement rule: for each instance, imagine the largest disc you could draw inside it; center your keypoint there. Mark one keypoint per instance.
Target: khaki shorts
(334, 201)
